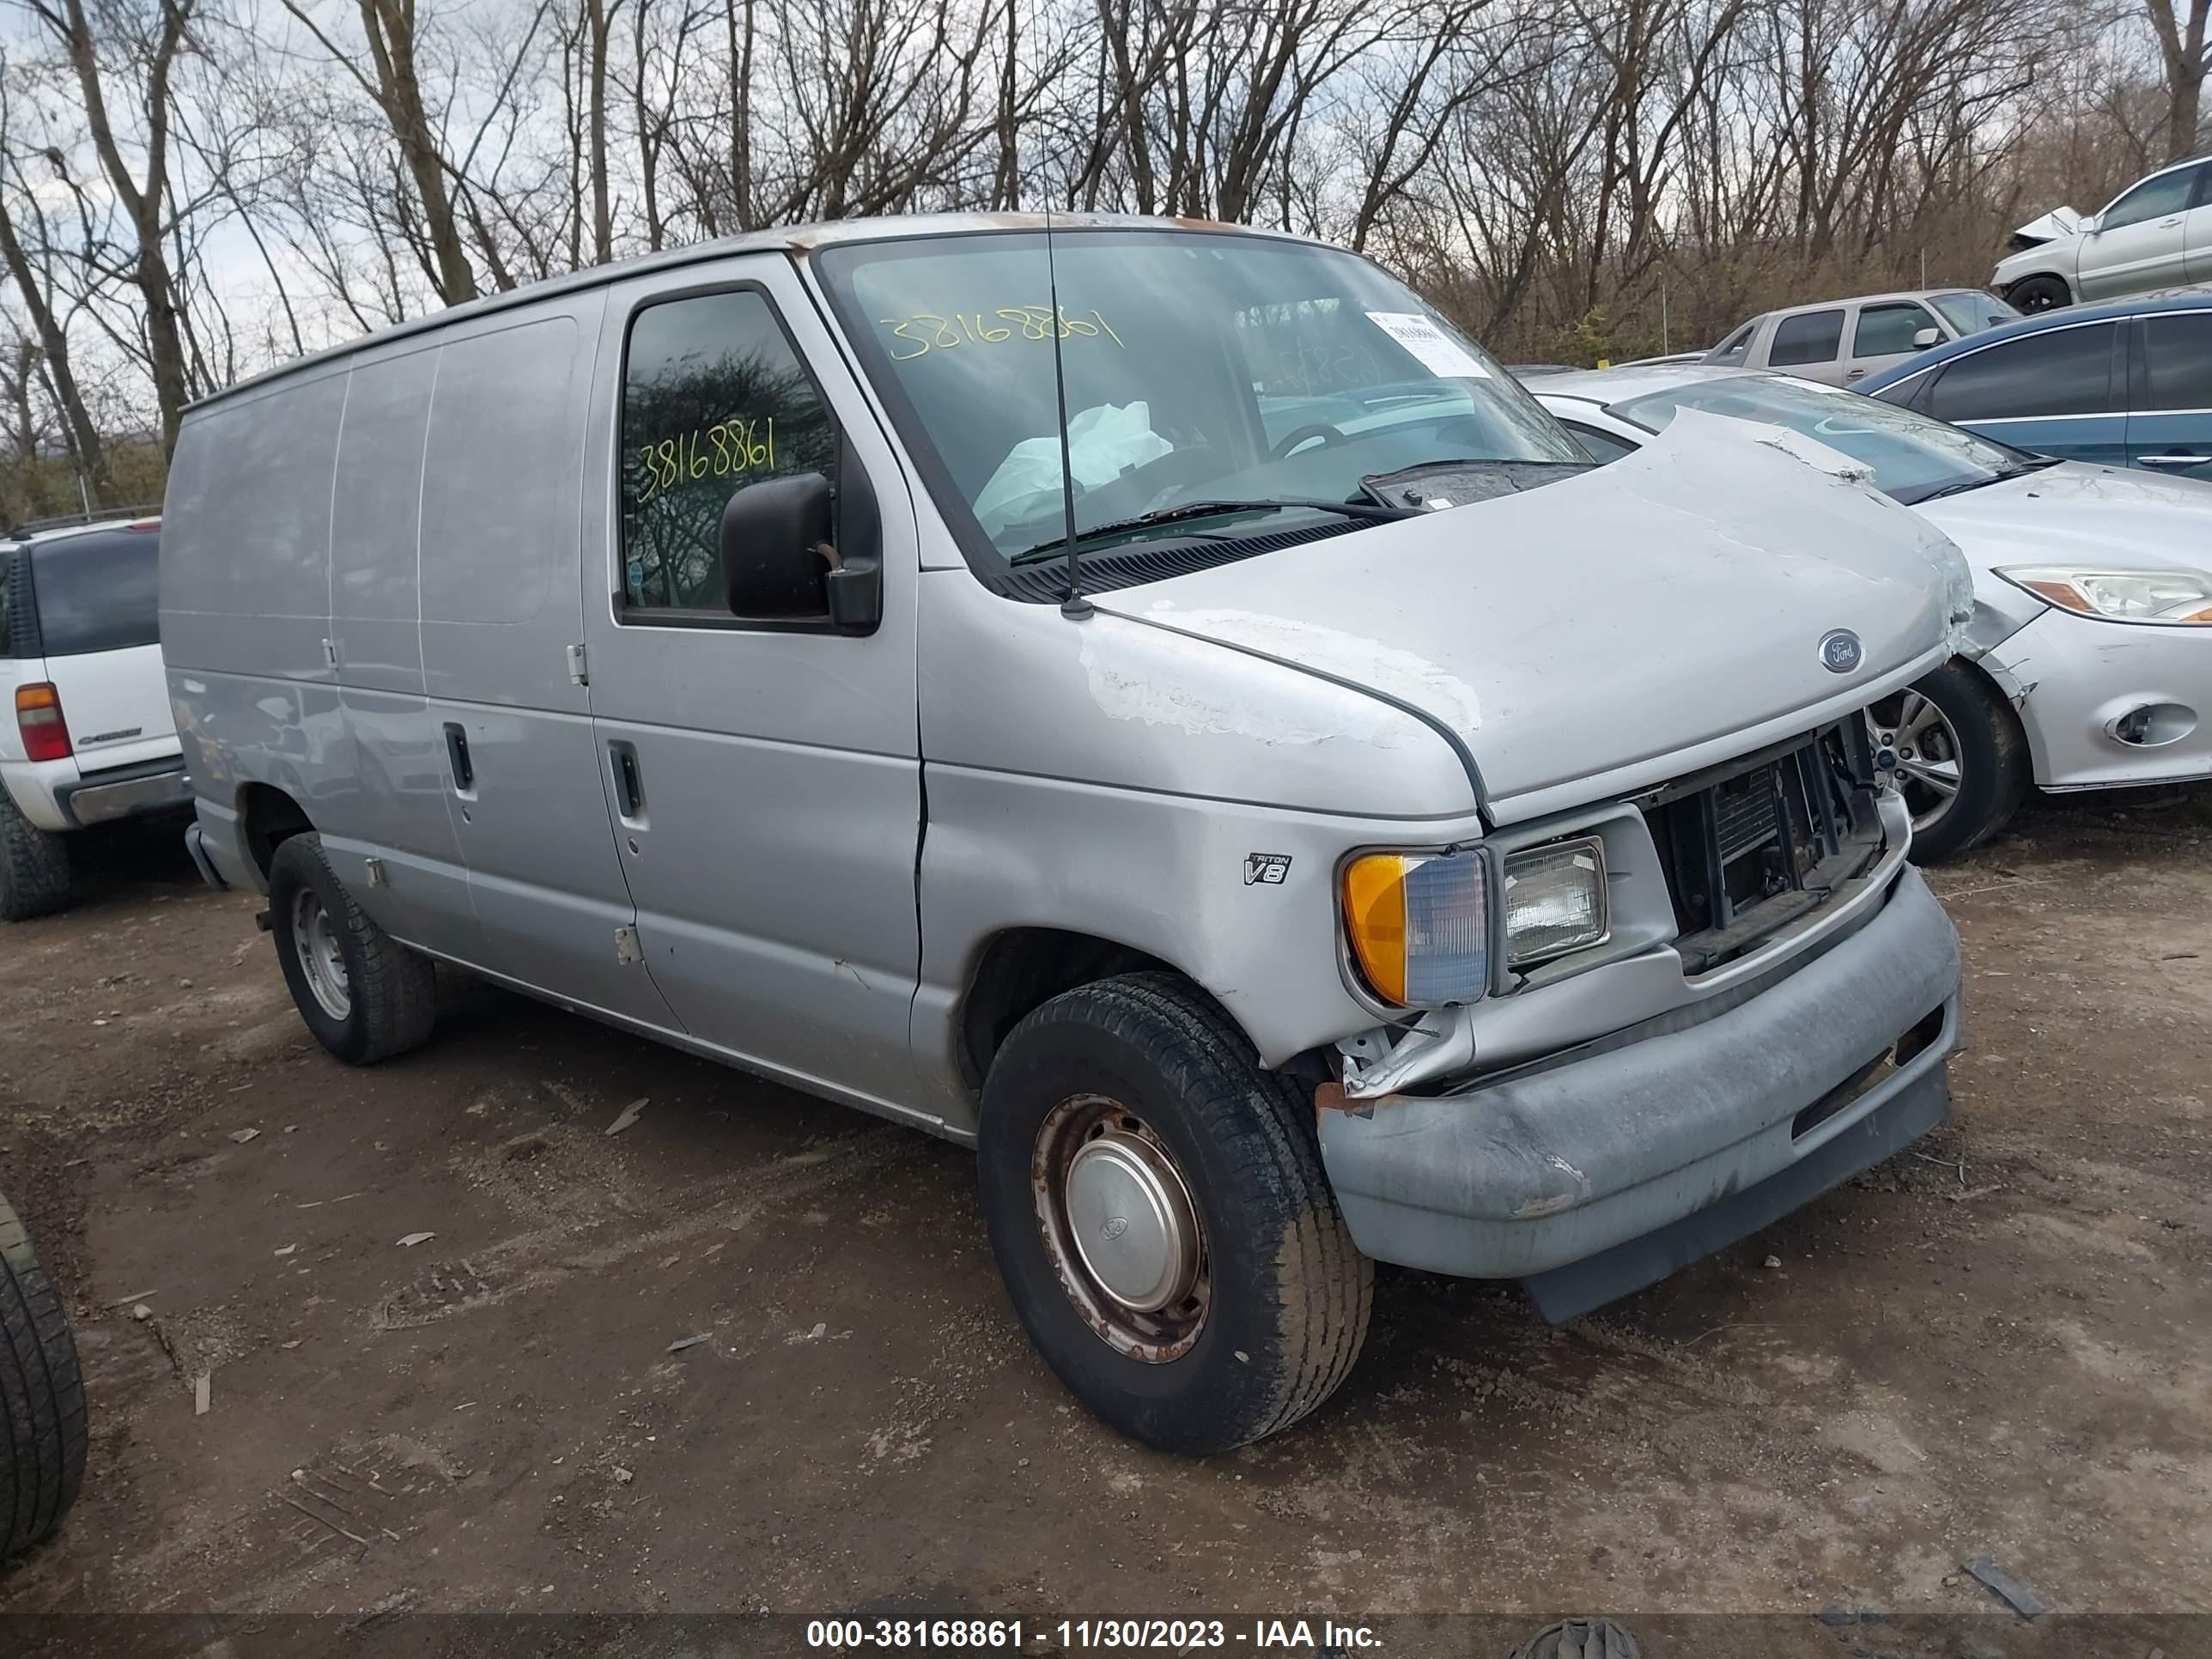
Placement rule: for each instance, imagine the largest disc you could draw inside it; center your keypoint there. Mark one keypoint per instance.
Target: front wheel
(1157, 1205)
(365, 996)
(2033, 294)
(1961, 758)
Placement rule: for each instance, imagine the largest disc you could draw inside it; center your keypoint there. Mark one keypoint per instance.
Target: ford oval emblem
(1114, 1227)
(1840, 651)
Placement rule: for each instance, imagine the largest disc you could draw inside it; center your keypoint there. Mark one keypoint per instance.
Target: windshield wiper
(1057, 548)
(1961, 486)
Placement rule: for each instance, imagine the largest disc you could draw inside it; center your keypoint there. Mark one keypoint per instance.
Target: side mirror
(779, 562)
(1926, 338)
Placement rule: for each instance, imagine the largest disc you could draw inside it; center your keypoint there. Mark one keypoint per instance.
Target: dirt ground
(1993, 1345)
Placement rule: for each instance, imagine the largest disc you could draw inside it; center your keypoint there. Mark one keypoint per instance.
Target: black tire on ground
(384, 998)
(35, 866)
(1994, 767)
(1284, 1293)
(2033, 293)
(42, 1440)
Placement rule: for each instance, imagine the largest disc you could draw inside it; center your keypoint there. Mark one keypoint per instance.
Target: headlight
(1419, 926)
(1554, 901)
(2168, 597)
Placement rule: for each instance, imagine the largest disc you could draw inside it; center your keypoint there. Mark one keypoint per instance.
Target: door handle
(630, 783)
(2174, 460)
(1854, 374)
(457, 752)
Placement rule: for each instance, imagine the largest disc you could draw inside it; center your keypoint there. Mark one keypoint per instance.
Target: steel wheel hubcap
(315, 942)
(1927, 748)
(1120, 1228)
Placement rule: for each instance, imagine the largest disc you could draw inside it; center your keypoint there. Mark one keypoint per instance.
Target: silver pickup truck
(1150, 701)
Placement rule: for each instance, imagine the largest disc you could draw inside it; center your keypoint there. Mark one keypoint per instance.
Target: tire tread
(35, 866)
(41, 1396)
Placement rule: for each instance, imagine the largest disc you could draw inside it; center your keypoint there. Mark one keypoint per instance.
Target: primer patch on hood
(1386, 668)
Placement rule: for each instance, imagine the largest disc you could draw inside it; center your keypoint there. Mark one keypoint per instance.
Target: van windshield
(1267, 377)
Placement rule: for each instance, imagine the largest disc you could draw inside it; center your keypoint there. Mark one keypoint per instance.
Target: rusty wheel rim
(1120, 1228)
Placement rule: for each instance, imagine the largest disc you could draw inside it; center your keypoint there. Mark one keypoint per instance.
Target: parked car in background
(86, 737)
(1841, 342)
(2156, 234)
(1264, 874)
(2123, 385)
(2088, 664)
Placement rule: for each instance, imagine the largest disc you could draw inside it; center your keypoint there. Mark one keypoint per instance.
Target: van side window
(1810, 337)
(714, 398)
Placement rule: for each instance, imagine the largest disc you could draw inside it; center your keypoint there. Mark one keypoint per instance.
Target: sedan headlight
(1554, 901)
(2165, 597)
(1419, 924)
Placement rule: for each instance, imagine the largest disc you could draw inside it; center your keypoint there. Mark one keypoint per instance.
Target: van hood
(1615, 629)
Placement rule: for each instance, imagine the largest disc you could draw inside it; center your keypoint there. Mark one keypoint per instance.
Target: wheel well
(269, 817)
(1022, 969)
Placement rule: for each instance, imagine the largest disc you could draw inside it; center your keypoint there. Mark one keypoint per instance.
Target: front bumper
(1729, 1116)
(2072, 676)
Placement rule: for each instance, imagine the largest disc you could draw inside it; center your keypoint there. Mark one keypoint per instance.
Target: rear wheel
(42, 1439)
(365, 996)
(2033, 293)
(35, 866)
(1157, 1205)
(1961, 759)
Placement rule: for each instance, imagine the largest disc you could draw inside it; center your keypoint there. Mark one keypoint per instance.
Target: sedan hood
(2095, 517)
(2116, 517)
(1611, 631)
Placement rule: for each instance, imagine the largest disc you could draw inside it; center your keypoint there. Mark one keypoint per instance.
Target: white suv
(91, 739)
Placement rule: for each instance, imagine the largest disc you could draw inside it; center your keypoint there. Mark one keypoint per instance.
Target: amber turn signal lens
(1375, 916)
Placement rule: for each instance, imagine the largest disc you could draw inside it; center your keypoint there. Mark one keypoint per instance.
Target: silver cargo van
(1017, 681)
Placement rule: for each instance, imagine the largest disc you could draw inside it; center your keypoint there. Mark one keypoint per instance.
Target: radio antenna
(1073, 606)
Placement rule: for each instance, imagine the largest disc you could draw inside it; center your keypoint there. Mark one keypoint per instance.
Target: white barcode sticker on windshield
(1435, 350)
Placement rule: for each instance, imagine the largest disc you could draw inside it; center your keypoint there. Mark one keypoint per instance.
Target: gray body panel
(773, 861)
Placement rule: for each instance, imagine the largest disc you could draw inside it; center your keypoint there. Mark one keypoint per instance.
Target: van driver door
(762, 777)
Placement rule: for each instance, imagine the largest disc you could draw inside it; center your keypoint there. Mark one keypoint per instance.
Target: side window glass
(7, 615)
(2067, 371)
(1886, 330)
(1603, 447)
(1811, 336)
(2178, 361)
(714, 398)
(2167, 193)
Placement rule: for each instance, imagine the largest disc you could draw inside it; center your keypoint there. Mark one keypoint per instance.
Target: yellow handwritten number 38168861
(926, 332)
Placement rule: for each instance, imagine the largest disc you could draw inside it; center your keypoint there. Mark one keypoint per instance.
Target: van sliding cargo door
(762, 779)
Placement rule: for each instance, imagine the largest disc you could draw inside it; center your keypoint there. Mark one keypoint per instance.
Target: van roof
(796, 239)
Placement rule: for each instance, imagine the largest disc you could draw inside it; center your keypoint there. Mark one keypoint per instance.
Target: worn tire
(41, 1397)
(391, 991)
(35, 866)
(1290, 1294)
(1994, 768)
(2032, 294)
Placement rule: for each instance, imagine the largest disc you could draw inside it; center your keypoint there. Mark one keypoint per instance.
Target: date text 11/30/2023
(1317, 1637)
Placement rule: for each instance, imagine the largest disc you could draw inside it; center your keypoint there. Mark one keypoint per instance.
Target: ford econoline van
(1151, 701)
